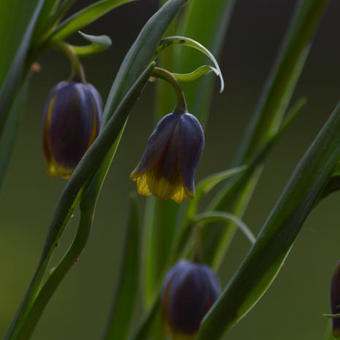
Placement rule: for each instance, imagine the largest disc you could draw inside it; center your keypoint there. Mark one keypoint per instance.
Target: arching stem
(77, 68)
(162, 73)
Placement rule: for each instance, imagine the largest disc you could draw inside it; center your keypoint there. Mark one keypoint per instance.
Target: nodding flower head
(169, 162)
(71, 123)
(189, 290)
(335, 299)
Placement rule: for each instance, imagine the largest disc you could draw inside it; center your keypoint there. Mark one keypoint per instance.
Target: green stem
(77, 68)
(162, 73)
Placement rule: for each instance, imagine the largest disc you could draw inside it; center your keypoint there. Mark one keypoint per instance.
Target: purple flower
(169, 162)
(335, 300)
(189, 290)
(71, 123)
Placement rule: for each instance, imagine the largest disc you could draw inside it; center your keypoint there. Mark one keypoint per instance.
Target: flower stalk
(77, 70)
(161, 73)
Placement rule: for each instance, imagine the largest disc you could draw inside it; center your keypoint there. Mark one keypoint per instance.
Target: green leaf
(267, 119)
(188, 42)
(86, 17)
(216, 216)
(7, 140)
(126, 291)
(98, 44)
(17, 69)
(196, 74)
(263, 262)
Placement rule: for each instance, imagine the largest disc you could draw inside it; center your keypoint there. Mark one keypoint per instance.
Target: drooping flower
(335, 300)
(169, 162)
(71, 123)
(189, 290)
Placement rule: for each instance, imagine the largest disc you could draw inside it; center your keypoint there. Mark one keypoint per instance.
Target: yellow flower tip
(56, 170)
(148, 184)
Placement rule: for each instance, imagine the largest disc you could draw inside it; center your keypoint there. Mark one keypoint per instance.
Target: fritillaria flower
(335, 300)
(189, 290)
(172, 153)
(71, 123)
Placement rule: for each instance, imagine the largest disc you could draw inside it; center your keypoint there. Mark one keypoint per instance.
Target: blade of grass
(8, 138)
(85, 17)
(124, 300)
(267, 119)
(263, 262)
(17, 70)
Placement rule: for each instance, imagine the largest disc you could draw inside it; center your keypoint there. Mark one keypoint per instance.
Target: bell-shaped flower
(169, 162)
(71, 123)
(335, 300)
(189, 290)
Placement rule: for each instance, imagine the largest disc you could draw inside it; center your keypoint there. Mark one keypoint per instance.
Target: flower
(169, 162)
(189, 290)
(335, 300)
(71, 123)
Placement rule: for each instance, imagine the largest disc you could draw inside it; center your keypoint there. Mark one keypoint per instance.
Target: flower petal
(191, 144)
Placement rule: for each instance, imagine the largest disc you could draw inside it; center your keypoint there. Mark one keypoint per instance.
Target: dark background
(293, 307)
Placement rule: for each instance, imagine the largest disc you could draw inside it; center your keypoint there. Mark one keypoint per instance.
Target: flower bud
(335, 300)
(71, 123)
(169, 162)
(189, 290)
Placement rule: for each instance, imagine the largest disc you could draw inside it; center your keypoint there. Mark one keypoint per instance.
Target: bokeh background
(293, 307)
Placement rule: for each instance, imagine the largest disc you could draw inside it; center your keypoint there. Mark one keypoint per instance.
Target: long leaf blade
(17, 69)
(264, 260)
(85, 17)
(126, 291)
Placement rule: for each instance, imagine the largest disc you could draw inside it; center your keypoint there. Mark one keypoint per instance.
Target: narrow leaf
(7, 140)
(180, 40)
(267, 118)
(98, 44)
(217, 216)
(126, 291)
(85, 17)
(266, 257)
(196, 74)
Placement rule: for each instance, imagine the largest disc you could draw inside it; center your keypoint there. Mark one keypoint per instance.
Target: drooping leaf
(196, 74)
(206, 22)
(185, 41)
(275, 240)
(85, 17)
(216, 216)
(126, 290)
(98, 44)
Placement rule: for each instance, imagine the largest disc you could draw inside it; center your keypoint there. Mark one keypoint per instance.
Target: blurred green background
(293, 307)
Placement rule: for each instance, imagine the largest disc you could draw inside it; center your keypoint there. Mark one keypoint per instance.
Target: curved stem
(77, 68)
(162, 73)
